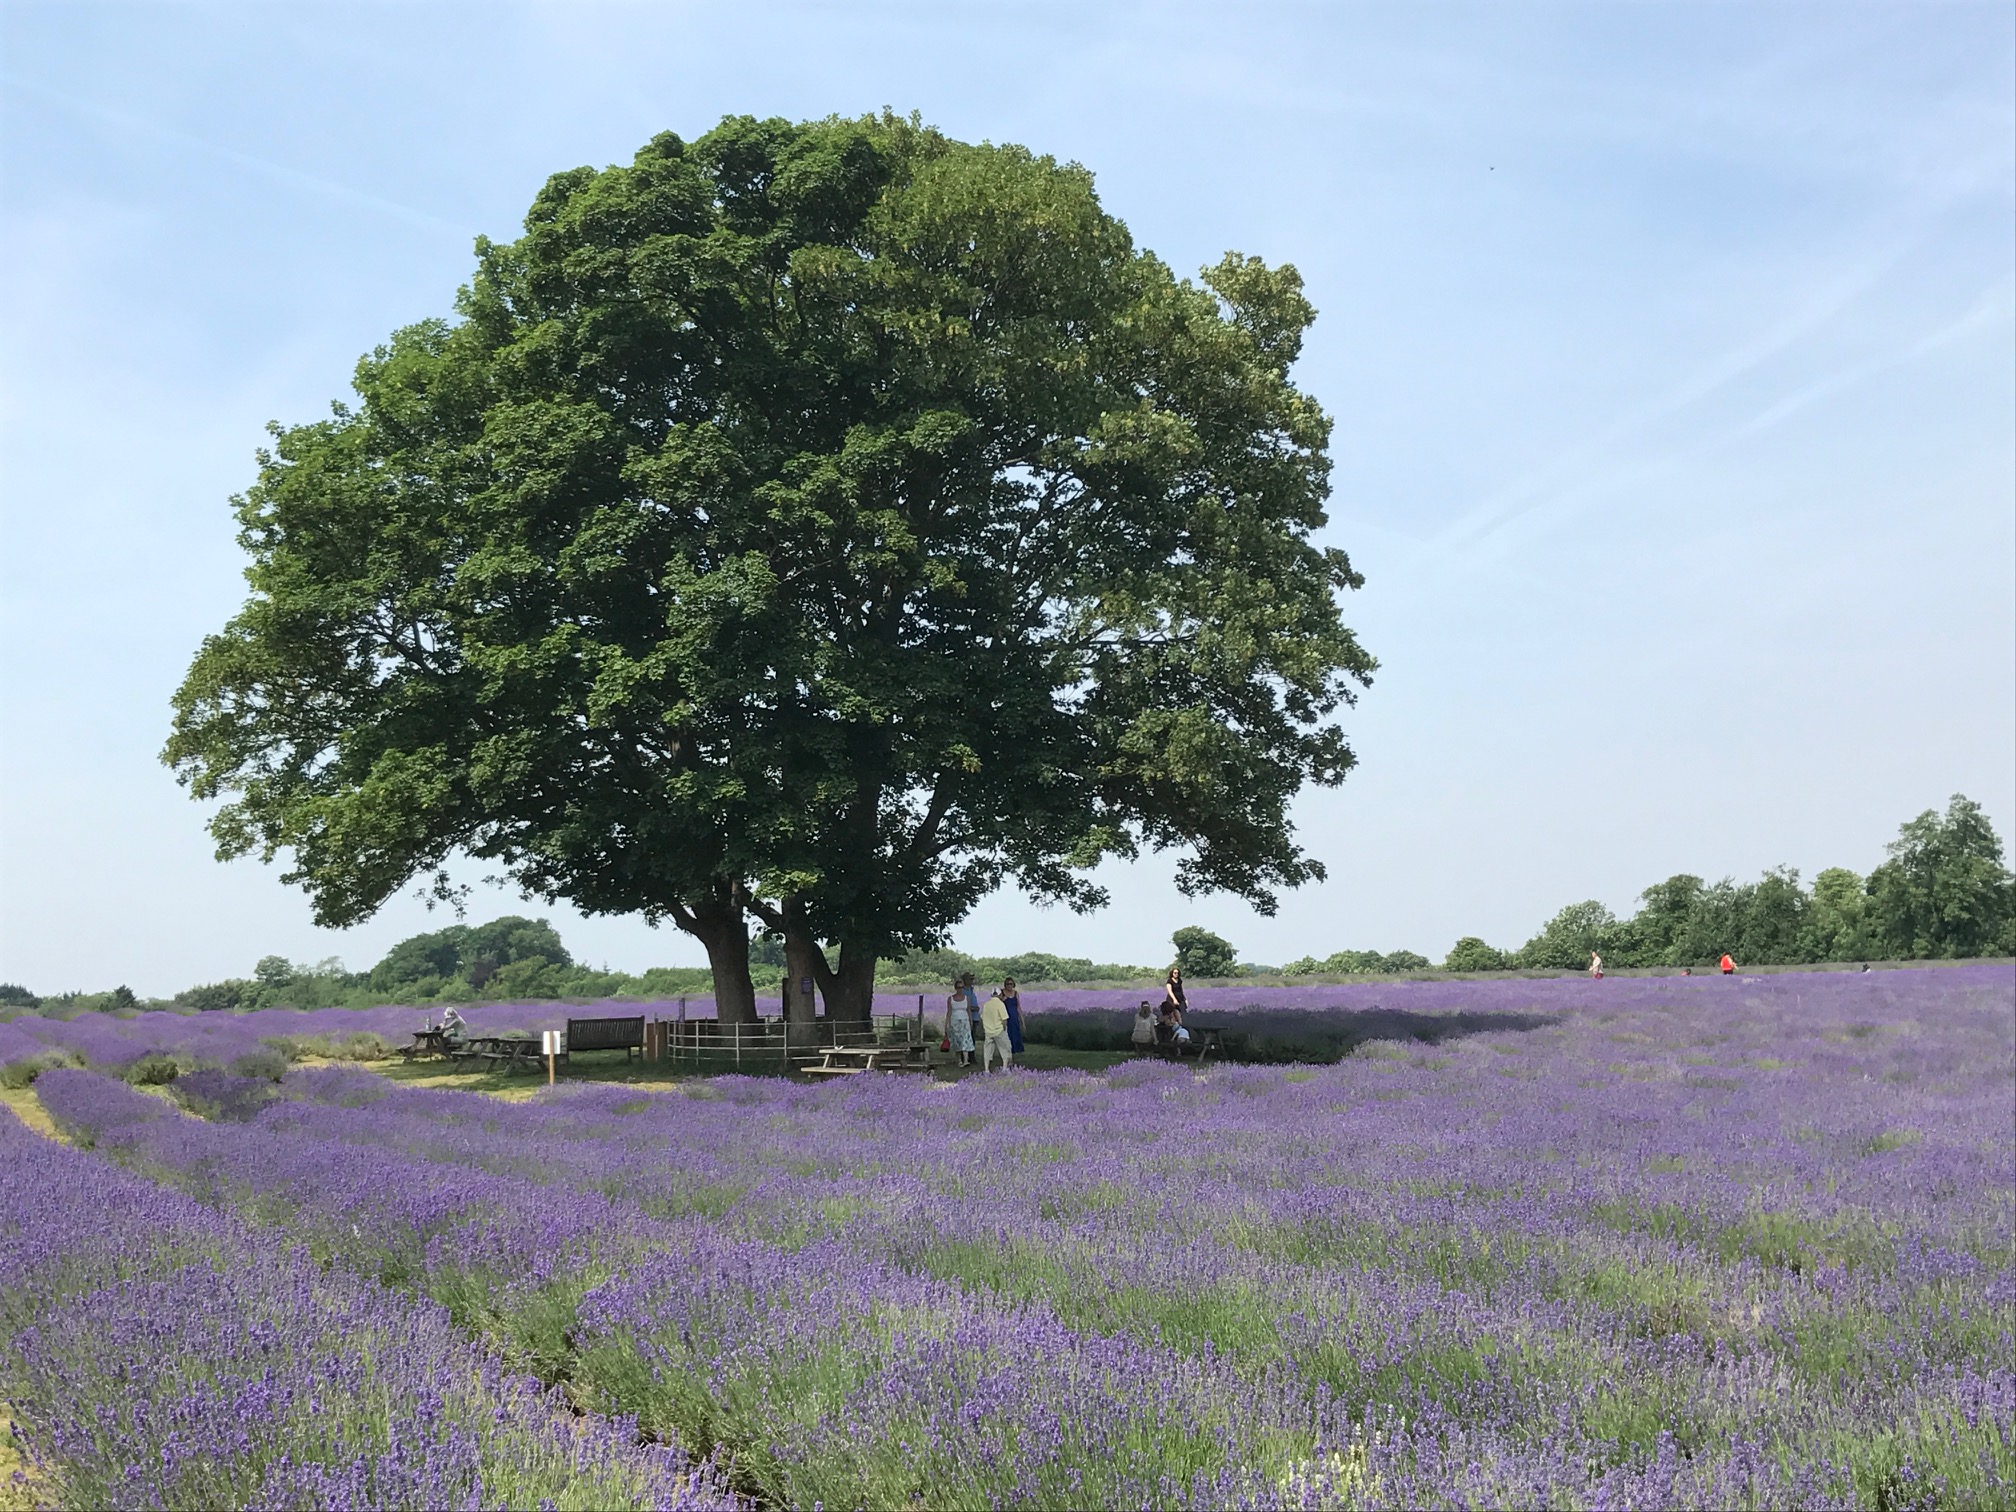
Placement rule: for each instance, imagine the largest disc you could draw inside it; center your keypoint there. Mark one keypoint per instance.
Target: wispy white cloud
(1994, 310)
(276, 172)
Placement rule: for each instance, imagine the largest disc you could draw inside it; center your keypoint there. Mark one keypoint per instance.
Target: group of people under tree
(993, 1026)
(1163, 1026)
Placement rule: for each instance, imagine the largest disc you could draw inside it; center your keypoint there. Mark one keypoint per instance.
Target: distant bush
(935, 968)
(1358, 963)
(223, 1097)
(152, 1071)
(21, 1073)
(1472, 954)
(265, 1062)
(1203, 954)
(218, 997)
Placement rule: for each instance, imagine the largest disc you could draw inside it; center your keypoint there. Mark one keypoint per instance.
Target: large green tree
(827, 520)
(1945, 890)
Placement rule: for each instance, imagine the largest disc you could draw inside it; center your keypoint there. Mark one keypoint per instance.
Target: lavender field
(1640, 1243)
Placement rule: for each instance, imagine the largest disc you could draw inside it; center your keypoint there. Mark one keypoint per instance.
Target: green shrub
(18, 1074)
(153, 1071)
(267, 1063)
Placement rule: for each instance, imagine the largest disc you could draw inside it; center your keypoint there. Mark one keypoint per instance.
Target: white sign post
(549, 1041)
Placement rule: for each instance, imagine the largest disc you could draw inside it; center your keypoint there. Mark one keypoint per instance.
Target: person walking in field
(958, 1027)
(1011, 999)
(1595, 967)
(994, 1034)
(1728, 964)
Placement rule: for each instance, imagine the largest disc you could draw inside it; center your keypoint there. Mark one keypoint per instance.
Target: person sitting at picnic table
(453, 1027)
(958, 1027)
(1177, 1032)
(1144, 1026)
(994, 1033)
(1011, 999)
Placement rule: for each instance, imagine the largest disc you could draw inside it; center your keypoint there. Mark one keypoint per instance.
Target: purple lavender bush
(156, 1352)
(1647, 1243)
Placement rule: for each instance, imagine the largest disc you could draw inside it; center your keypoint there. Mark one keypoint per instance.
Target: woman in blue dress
(1011, 999)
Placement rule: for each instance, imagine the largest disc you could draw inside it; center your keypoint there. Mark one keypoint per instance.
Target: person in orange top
(1728, 965)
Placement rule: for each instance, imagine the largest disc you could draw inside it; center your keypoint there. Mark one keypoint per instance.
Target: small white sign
(805, 985)
(549, 1042)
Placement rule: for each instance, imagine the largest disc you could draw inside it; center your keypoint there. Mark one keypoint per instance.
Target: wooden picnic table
(855, 1060)
(505, 1052)
(1205, 1041)
(429, 1041)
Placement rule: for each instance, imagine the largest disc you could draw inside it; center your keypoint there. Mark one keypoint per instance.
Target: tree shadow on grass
(1279, 1036)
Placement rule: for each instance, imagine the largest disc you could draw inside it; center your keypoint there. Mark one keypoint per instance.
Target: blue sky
(1670, 347)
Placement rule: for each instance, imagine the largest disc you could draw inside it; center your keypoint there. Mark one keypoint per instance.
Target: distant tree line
(1943, 893)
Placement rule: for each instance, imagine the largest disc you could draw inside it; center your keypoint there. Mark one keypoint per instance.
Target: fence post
(738, 1044)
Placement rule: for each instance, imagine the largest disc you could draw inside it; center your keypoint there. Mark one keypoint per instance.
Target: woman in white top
(958, 1027)
(1143, 1037)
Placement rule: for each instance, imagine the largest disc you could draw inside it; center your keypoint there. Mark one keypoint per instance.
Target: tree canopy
(1944, 892)
(828, 521)
(1203, 954)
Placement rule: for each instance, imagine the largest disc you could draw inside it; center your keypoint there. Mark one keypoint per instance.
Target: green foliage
(830, 512)
(1472, 954)
(1203, 954)
(473, 952)
(266, 1062)
(219, 997)
(17, 1074)
(152, 1071)
(1564, 943)
(937, 968)
(273, 971)
(1838, 923)
(1945, 890)
(1358, 963)
(15, 996)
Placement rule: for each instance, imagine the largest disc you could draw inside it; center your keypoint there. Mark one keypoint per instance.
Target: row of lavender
(1740, 1248)
(159, 1352)
(1427, 1009)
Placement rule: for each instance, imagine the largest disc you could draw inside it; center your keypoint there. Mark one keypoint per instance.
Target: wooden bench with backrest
(605, 1034)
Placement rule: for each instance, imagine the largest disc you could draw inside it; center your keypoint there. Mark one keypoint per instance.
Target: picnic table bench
(506, 1052)
(1205, 1041)
(428, 1041)
(854, 1060)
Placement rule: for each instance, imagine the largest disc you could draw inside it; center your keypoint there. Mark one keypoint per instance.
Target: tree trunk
(802, 962)
(851, 998)
(718, 926)
(849, 992)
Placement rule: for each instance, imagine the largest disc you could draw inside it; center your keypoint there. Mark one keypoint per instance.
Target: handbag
(945, 1044)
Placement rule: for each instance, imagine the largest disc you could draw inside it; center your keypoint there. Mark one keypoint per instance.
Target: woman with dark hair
(1011, 999)
(1172, 990)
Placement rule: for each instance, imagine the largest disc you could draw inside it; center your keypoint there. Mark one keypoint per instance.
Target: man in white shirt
(994, 1033)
